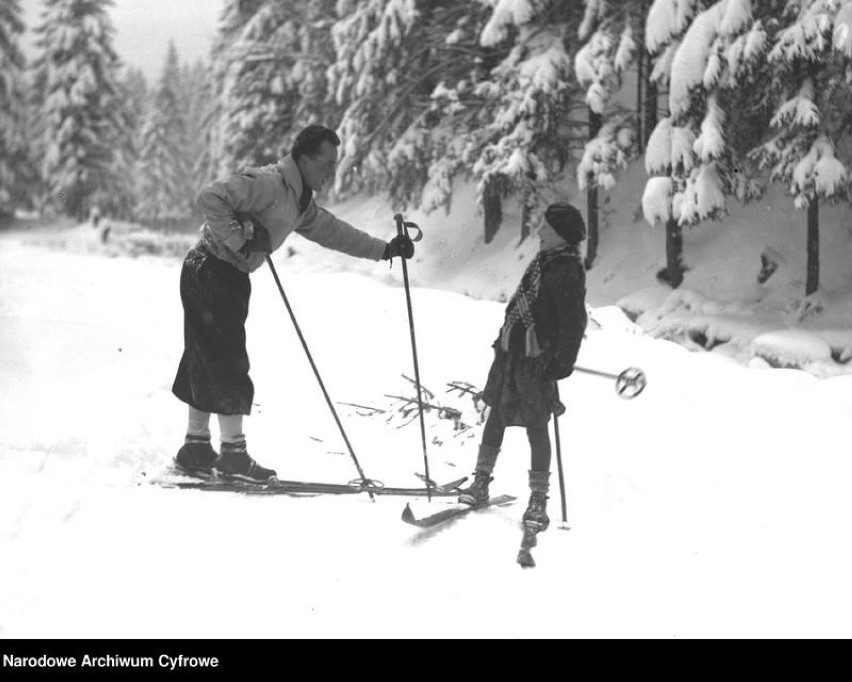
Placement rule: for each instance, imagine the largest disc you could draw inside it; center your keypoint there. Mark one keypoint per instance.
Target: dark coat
(521, 388)
(560, 316)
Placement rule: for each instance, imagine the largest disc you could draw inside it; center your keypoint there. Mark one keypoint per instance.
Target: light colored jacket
(270, 195)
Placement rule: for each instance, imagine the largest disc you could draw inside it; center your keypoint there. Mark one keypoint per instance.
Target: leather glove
(257, 239)
(399, 246)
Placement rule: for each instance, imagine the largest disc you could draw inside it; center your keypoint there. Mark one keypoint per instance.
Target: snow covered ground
(715, 504)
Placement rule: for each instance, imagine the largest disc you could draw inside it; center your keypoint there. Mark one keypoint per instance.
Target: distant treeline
(530, 100)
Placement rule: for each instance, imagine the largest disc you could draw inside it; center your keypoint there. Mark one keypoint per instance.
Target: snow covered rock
(613, 318)
(790, 348)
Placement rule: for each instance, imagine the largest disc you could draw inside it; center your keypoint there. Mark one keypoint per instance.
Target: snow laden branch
(605, 155)
(523, 145)
(705, 55)
(812, 53)
(599, 66)
(506, 14)
(16, 169)
(367, 81)
(821, 170)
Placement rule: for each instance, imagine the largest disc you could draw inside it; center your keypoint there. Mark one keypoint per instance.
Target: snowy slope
(709, 506)
(720, 298)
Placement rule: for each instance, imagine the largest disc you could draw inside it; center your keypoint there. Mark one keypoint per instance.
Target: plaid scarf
(520, 305)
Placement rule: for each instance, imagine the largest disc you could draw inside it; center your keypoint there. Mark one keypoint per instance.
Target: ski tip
(525, 559)
(453, 485)
(428, 481)
(407, 514)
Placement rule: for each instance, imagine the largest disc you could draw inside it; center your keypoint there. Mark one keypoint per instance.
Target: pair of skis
(187, 480)
(528, 540)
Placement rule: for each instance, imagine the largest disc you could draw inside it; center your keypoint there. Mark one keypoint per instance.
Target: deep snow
(713, 505)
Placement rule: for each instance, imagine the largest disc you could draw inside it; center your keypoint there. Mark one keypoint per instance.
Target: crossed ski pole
(364, 480)
(628, 383)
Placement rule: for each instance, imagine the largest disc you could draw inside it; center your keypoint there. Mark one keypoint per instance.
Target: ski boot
(477, 493)
(236, 463)
(196, 456)
(535, 518)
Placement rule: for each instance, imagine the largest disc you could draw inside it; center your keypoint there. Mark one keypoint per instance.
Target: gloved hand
(257, 239)
(400, 245)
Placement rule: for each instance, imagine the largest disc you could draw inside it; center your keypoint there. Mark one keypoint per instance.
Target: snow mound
(613, 318)
(684, 300)
(790, 348)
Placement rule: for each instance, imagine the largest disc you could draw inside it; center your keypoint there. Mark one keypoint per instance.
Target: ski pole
(564, 524)
(402, 230)
(628, 383)
(364, 480)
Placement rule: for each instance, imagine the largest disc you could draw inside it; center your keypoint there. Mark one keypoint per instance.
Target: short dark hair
(309, 141)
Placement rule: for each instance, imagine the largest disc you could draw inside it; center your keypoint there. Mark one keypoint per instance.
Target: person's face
(316, 170)
(547, 237)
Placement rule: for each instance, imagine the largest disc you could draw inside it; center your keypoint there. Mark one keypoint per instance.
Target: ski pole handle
(402, 227)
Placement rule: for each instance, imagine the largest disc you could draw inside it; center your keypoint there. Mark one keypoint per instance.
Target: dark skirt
(517, 390)
(213, 372)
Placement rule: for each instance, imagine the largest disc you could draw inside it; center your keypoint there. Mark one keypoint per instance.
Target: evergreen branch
(414, 383)
(402, 100)
(372, 410)
(462, 387)
(443, 412)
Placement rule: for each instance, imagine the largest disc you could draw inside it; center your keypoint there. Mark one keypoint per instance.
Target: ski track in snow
(714, 504)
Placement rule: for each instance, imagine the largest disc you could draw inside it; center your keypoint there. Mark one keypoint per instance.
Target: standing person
(248, 216)
(538, 345)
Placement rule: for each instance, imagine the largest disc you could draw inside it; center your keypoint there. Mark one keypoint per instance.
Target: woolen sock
(231, 428)
(198, 427)
(236, 447)
(487, 458)
(540, 481)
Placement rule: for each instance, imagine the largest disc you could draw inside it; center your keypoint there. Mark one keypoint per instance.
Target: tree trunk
(646, 89)
(526, 216)
(492, 204)
(595, 121)
(641, 64)
(650, 106)
(813, 247)
(674, 253)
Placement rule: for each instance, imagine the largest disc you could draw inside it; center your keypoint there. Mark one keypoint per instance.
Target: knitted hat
(566, 221)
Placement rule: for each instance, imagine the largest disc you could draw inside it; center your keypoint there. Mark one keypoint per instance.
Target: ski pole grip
(402, 228)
